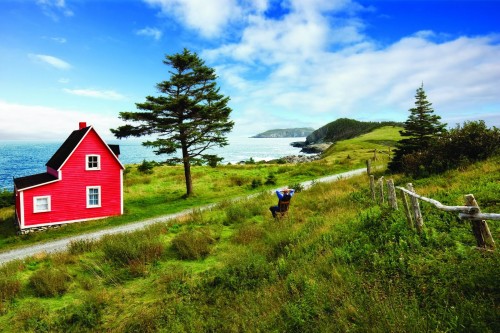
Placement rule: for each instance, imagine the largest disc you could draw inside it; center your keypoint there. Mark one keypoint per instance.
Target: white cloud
(46, 123)
(54, 8)
(313, 63)
(50, 60)
(150, 32)
(60, 40)
(209, 18)
(103, 94)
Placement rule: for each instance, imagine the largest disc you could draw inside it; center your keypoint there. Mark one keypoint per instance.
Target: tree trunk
(187, 170)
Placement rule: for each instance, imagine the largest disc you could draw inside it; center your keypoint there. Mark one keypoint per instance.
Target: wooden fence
(470, 211)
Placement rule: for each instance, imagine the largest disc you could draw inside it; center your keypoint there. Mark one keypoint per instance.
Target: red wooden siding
(69, 194)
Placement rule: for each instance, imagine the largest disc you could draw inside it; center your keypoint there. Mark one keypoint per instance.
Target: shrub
(49, 282)
(248, 234)
(9, 288)
(271, 179)
(298, 187)
(236, 213)
(193, 244)
(454, 149)
(146, 167)
(131, 249)
(237, 180)
(32, 317)
(212, 160)
(81, 246)
(256, 183)
(6, 198)
(87, 314)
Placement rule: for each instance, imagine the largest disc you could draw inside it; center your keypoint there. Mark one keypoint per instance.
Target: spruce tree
(191, 115)
(420, 128)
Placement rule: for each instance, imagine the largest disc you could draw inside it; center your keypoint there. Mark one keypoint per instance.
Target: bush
(256, 183)
(49, 282)
(131, 249)
(81, 246)
(6, 199)
(457, 148)
(87, 314)
(9, 288)
(271, 179)
(193, 244)
(146, 167)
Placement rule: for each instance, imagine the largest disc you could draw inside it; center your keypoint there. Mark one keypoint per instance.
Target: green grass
(340, 263)
(163, 191)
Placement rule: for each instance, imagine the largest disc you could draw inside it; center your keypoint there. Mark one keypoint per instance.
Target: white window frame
(98, 188)
(87, 160)
(35, 205)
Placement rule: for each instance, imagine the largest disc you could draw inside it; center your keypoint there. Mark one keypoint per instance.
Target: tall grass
(340, 263)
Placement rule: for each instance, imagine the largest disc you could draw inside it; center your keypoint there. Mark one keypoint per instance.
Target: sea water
(24, 158)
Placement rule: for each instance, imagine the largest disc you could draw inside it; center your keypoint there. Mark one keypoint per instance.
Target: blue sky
(284, 64)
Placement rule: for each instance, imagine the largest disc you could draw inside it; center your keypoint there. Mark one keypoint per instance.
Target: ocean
(23, 158)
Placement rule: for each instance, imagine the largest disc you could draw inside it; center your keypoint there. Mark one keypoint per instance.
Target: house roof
(33, 180)
(115, 149)
(62, 154)
(59, 158)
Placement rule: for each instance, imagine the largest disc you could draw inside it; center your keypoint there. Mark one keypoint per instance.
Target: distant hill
(344, 128)
(286, 133)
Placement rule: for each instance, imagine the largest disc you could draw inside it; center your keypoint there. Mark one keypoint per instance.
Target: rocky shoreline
(315, 148)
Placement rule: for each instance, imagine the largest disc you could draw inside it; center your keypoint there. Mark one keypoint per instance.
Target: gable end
(62, 154)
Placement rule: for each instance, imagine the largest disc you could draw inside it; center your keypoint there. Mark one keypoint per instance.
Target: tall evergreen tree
(420, 128)
(191, 115)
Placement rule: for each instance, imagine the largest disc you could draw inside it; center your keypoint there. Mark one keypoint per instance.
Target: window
(93, 162)
(93, 196)
(41, 204)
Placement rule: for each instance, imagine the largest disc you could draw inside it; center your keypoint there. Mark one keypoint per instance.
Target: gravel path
(62, 244)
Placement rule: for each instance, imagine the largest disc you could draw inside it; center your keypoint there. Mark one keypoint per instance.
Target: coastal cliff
(286, 133)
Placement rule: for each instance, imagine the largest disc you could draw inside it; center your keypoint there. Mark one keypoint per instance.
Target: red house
(83, 181)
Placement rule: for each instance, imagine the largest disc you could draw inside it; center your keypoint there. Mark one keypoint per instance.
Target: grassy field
(339, 263)
(162, 192)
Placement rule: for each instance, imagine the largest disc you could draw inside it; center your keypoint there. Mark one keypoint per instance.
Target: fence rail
(470, 211)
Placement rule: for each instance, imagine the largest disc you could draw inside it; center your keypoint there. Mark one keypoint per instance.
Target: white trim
(21, 203)
(64, 222)
(76, 147)
(121, 191)
(35, 199)
(103, 142)
(87, 167)
(88, 197)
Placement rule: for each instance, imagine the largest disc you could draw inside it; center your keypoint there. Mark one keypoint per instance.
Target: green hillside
(339, 263)
(344, 128)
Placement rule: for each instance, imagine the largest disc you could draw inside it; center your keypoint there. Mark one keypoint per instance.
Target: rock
(294, 159)
(316, 148)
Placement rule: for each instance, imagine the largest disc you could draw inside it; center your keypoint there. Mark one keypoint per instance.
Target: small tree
(191, 115)
(421, 127)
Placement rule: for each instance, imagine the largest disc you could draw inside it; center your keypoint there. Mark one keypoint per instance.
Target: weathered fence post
(381, 184)
(407, 208)
(480, 227)
(374, 154)
(419, 221)
(372, 186)
(368, 167)
(392, 194)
